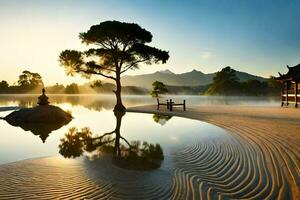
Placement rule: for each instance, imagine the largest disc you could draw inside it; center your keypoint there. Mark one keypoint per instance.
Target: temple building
(291, 81)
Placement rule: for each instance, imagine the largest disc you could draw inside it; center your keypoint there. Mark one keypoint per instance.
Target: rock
(39, 114)
(40, 120)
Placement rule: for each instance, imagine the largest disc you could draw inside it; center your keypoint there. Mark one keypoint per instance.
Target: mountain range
(192, 78)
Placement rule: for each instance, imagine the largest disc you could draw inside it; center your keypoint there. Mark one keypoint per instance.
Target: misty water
(95, 112)
(98, 102)
(196, 157)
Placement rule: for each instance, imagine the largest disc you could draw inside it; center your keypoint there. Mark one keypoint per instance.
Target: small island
(43, 113)
(40, 120)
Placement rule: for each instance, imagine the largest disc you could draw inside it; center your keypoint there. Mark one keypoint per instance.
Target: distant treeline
(32, 83)
(224, 83)
(186, 90)
(28, 82)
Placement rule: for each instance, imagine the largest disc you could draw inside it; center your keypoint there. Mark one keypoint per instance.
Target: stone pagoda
(43, 99)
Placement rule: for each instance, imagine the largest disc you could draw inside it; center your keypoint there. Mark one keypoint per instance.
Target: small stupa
(43, 99)
(39, 117)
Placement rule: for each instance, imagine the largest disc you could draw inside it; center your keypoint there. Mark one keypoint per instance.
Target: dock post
(168, 104)
(287, 93)
(296, 94)
(282, 98)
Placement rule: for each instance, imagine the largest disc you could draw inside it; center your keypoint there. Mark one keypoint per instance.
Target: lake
(99, 102)
(95, 112)
(187, 158)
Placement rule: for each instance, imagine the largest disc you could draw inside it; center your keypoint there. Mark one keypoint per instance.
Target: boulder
(39, 114)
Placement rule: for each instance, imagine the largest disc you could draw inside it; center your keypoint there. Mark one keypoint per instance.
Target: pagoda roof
(292, 74)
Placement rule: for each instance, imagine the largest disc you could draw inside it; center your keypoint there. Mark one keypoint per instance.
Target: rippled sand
(46, 178)
(258, 159)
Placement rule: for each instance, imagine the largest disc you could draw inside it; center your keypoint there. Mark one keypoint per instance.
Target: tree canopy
(158, 88)
(224, 83)
(116, 48)
(72, 89)
(30, 79)
(121, 46)
(4, 85)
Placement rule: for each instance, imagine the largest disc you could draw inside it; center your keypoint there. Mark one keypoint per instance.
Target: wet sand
(260, 160)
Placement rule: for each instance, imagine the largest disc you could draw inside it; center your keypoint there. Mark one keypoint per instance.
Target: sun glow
(65, 106)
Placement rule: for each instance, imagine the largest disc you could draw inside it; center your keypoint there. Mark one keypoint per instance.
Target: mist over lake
(99, 102)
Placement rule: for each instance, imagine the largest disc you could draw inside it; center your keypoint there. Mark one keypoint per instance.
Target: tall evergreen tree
(117, 48)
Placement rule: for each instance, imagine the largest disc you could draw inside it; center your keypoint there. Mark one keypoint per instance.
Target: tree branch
(103, 44)
(126, 141)
(92, 63)
(132, 64)
(109, 141)
(105, 134)
(123, 50)
(93, 72)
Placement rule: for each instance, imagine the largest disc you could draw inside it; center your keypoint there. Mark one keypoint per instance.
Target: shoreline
(201, 112)
(273, 131)
(269, 135)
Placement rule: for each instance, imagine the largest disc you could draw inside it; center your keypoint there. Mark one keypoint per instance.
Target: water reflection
(107, 102)
(161, 119)
(43, 130)
(135, 126)
(125, 154)
(91, 102)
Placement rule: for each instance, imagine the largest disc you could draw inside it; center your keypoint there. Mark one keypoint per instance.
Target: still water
(99, 102)
(189, 159)
(95, 112)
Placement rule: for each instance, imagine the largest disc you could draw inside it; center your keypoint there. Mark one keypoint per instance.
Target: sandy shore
(272, 132)
(46, 178)
(260, 160)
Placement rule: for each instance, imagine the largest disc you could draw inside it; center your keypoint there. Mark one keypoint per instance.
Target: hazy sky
(256, 36)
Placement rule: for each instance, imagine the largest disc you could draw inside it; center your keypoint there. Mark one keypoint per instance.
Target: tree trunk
(118, 116)
(119, 106)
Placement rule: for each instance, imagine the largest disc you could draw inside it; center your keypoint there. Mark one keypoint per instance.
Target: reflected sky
(17, 144)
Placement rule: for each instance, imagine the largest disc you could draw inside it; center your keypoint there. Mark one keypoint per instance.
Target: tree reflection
(161, 119)
(130, 155)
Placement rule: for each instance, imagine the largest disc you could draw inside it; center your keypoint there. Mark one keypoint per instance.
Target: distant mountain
(166, 72)
(192, 78)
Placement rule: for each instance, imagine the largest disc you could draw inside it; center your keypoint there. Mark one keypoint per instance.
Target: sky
(258, 36)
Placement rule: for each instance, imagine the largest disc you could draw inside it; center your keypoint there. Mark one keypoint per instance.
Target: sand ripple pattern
(248, 163)
(259, 161)
(227, 169)
(48, 178)
(57, 178)
(130, 184)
